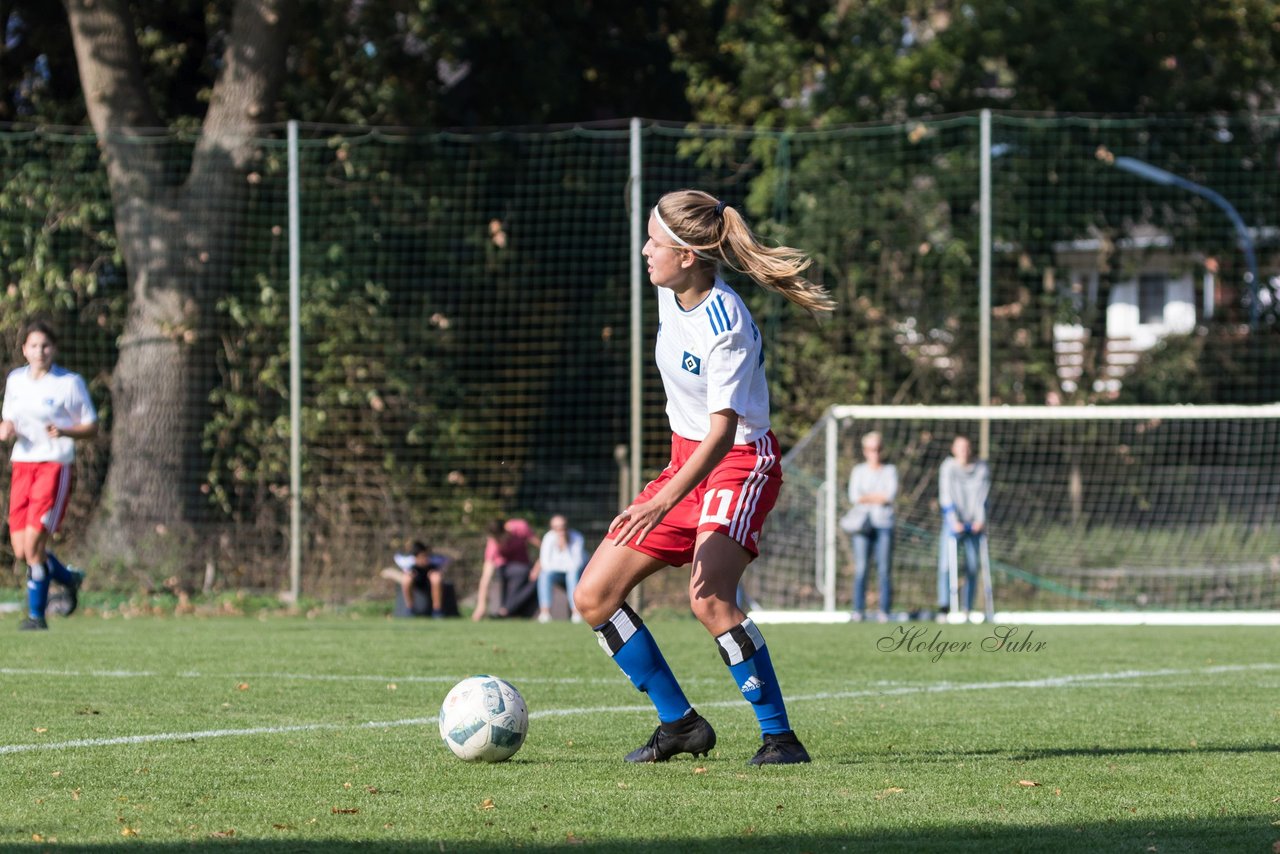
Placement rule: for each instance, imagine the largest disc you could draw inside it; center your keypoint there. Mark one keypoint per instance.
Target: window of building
(1152, 293)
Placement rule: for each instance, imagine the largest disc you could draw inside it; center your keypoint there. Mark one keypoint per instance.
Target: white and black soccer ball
(484, 719)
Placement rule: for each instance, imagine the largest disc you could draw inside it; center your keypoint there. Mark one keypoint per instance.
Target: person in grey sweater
(963, 486)
(873, 487)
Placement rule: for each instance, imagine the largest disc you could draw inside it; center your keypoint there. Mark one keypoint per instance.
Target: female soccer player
(46, 408)
(708, 506)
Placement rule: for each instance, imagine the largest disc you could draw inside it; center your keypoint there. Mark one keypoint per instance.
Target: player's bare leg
(611, 574)
(601, 599)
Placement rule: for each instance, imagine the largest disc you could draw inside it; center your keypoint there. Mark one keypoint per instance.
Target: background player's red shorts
(39, 495)
(733, 500)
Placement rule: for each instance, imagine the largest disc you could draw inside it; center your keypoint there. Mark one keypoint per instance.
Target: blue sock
(743, 649)
(627, 640)
(58, 570)
(37, 590)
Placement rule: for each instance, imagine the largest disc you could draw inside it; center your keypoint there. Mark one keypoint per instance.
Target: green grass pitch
(292, 734)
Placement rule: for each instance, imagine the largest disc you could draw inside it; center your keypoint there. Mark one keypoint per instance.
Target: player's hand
(53, 431)
(636, 521)
(978, 527)
(7, 431)
(957, 526)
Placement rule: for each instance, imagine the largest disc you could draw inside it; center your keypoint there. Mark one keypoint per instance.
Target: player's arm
(8, 429)
(79, 431)
(639, 519)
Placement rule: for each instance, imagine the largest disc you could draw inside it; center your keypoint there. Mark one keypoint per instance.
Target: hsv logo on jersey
(692, 363)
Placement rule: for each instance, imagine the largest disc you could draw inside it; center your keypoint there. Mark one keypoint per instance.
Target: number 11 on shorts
(720, 516)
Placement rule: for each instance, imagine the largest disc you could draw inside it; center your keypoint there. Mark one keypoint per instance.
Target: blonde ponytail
(719, 234)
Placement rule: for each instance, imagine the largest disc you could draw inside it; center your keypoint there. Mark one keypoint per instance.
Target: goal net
(1110, 509)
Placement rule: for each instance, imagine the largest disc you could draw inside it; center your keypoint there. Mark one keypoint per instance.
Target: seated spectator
(507, 553)
(560, 560)
(422, 583)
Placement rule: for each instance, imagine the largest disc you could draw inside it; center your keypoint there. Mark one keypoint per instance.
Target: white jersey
(711, 358)
(59, 397)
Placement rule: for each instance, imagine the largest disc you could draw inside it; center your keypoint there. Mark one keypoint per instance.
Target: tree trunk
(176, 236)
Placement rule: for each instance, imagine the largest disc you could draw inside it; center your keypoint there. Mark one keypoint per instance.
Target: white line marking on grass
(305, 677)
(1090, 679)
(208, 733)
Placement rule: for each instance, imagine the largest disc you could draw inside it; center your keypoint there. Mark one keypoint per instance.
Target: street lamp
(1156, 175)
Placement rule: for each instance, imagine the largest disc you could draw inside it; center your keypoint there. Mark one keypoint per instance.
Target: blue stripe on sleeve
(716, 326)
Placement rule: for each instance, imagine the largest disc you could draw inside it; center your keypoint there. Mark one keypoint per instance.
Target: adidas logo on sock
(752, 684)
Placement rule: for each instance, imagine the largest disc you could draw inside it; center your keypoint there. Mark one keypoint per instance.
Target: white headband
(679, 240)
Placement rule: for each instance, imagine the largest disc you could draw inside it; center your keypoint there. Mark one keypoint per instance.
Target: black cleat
(780, 749)
(690, 734)
(73, 591)
(33, 624)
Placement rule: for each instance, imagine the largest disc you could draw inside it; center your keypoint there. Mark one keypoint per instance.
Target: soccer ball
(484, 719)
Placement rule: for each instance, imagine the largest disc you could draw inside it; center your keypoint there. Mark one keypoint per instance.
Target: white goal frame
(828, 500)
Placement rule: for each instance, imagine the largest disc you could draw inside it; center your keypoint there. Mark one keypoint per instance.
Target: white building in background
(1156, 292)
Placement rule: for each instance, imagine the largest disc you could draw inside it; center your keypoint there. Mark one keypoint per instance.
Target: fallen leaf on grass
(283, 826)
(488, 804)
(75, 794)
(41, 729)
(224, 834)
(701, 769)
(128, 831)
(1028, 783)
(892, 790)
(344, 811)
(573, 840)
(373, 790)
(243, 686)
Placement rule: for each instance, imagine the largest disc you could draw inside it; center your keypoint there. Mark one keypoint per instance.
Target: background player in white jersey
(708, 506)
(46, 408)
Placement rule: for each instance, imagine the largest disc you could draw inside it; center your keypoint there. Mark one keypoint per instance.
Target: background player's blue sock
(58, 570)
(37, 590)
(743, 649)
(627, 640)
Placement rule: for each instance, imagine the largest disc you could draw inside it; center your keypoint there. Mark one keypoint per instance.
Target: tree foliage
(888, 211)
(815, 66)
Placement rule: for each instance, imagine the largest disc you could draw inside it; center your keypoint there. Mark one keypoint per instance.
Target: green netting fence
(465, 309)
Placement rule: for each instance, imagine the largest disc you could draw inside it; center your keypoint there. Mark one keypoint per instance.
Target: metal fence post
(984, 279)
(295, 371)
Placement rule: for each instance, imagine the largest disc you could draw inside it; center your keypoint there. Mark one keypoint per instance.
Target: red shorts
(733, 500)
(39, 495)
